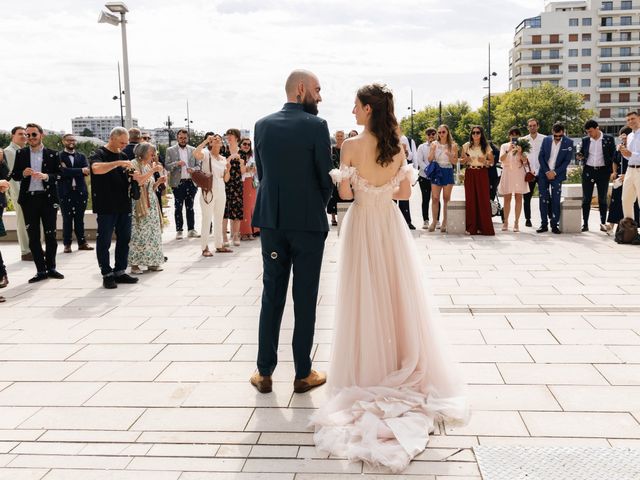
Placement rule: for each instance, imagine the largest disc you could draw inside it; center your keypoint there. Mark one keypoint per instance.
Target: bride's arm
(344, 187)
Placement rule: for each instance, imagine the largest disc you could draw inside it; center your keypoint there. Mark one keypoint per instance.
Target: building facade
(591, 47)
(100, 126)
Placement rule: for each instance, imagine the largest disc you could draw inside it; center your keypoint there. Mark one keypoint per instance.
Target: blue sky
(230, 58)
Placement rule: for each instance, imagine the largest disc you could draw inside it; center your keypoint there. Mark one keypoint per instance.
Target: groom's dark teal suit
(293, 159)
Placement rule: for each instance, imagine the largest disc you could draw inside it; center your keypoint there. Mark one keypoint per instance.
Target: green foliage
(196, 137)
(5, 140)
(574, 175)
(452, 115)
(86, 133)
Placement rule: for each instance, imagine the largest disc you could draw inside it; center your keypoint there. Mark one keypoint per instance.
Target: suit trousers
(281, 250)
(527, 200)
(630, 190)
(184, 194)
(405, 209)
(550, 191)
(107, 223)
(21, 228)
(38, 210)
(600, 178)
(72, 207)
(214, 210)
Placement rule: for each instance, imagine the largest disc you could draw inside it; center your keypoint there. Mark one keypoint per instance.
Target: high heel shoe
(432, 227)
(515, 227)
(505, 226)
(443, 228)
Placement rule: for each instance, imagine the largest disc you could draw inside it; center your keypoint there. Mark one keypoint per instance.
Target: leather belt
(633, 166)
(475, 168)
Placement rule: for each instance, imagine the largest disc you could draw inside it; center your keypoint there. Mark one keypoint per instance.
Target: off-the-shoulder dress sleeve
(343, 173)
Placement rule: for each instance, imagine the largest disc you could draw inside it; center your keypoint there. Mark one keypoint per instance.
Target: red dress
(248, 205)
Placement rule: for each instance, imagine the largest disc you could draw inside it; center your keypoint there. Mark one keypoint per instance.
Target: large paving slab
(150, 381)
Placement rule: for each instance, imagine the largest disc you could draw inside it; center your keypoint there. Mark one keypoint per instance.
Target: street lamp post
(488, 79)
(121, 8)
(188, 120)
(412, 112)
(169, 124)
(119, 97)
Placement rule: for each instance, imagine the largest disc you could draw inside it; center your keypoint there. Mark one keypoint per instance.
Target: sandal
(443, 229)
(155, 268)
(432, 227)
(207, 253)
(515, 227)
(224, 249)
(135, 270)
(505, 226)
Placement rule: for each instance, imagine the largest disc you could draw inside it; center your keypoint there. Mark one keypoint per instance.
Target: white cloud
(230, 58)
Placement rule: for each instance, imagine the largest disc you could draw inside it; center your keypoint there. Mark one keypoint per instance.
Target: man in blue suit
(293, 159)
(555, 155)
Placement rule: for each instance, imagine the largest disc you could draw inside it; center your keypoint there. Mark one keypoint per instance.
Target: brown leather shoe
(27, 257)
(262, 384)
(67, 249)
(85, 246)
(315, 379)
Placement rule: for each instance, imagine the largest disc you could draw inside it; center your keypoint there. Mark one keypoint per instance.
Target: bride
(390, 375)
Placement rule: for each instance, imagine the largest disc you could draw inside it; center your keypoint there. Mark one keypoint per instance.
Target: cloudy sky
(229, 58)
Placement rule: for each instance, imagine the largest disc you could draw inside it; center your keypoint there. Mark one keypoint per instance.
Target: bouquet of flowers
(524, 144)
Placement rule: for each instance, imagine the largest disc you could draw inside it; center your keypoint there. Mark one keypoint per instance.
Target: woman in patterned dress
(249, 191)
(145, 247)
(233, 209)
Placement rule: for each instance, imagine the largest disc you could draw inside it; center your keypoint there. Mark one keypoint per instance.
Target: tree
(547, 103)
(5, 139)
(452, 113)
(196, 137)
(86, 133)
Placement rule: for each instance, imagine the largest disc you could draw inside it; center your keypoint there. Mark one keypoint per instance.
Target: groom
(293, 159)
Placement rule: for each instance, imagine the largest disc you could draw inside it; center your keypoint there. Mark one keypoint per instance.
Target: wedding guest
(619, 169)
(110, 194)
(249, 188)
(353, 133)
(145, 247)
(18, 141)
(233, 209)
(135, 137)
(332, 206)
(631, 152)
(209, 160)
(179, 159)
(535, 140)
(444, 151)
(4, 186)
(409, 147)
(73, 193)
(478, 157)
(420, 163)
(37, 168)
(555, 155)
(512, 182)
(596, 154)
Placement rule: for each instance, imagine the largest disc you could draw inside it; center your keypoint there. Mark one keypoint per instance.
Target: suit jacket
(608, 150)
(562, 162)
(50, 166)
(70, 172)
(293, 158)
(171, 164)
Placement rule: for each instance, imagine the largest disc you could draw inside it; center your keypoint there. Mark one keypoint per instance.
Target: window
(605, 113)
(625, 51)
(606, 67)
(573, 83)
(554, 69)
(624, 82)
(605, 83)
(586, 97)
(607, 6)
(606, 22)
(586, 67)
(606, 52)
(573, 52)
(622, 112)
(625, 20)
(554, 38)
(536, 83)
(536, 39)
(586, 22)
(536, 70)
(624, 97)
(554, 53)
(586, 52)
(585, 82)
(536, 54)
(586, 37)
(606, 37)
(626, 5)
(573, 37)
(573, 68)
(573, 22)
(625, 67)
(625, 36)
(605, 98)
(555, 83)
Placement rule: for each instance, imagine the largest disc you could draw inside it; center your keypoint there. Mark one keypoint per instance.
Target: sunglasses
(476, 132)
(557, 137)
(442, 132)
(32, 134)
(246, 144)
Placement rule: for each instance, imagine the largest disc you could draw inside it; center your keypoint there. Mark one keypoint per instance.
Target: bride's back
(363, 154)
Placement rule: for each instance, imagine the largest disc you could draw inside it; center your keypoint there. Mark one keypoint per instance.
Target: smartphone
(514, 141)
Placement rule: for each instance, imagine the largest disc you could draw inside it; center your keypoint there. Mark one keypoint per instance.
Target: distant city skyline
(230, 59)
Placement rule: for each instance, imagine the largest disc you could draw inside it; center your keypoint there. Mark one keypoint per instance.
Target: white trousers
(214, 210)
(630, 191)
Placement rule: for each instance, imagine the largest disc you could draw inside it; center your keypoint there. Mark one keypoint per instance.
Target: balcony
(634, 25)
(544, 74)
(547, 44)
(616, 104)
(618, 88)
(542, 59)
(617, 41)
(603, 12)
(618, 73)
(634, 57)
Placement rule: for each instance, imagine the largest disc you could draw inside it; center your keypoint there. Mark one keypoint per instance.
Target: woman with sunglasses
(444, 151)
(512, 180)
(249, 188)
(478, 157)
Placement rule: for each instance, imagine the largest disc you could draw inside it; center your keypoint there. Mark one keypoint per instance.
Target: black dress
(332, 206)
(233, 209)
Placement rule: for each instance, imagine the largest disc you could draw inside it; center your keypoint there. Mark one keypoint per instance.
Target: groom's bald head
(304, 87)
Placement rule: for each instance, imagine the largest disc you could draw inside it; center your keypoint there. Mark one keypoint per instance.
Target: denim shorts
(445, 177)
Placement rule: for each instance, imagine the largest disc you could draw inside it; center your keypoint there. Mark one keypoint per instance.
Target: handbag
(204, 181)
(432, 171)
(528, 175)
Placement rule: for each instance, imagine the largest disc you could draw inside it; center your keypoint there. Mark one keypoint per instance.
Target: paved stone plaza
(150, 382)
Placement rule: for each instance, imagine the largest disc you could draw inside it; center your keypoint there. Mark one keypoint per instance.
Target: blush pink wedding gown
(390, 376)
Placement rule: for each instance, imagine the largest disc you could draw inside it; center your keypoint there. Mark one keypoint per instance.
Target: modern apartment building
(588, 46)
(100, 126)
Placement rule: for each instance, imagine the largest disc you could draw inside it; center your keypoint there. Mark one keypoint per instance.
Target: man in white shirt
(535, 139)
(631, 151)
(18, 141)
(179, 162)
(420, 162)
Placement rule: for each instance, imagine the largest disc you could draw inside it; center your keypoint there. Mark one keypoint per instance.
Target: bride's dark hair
(383, 123)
